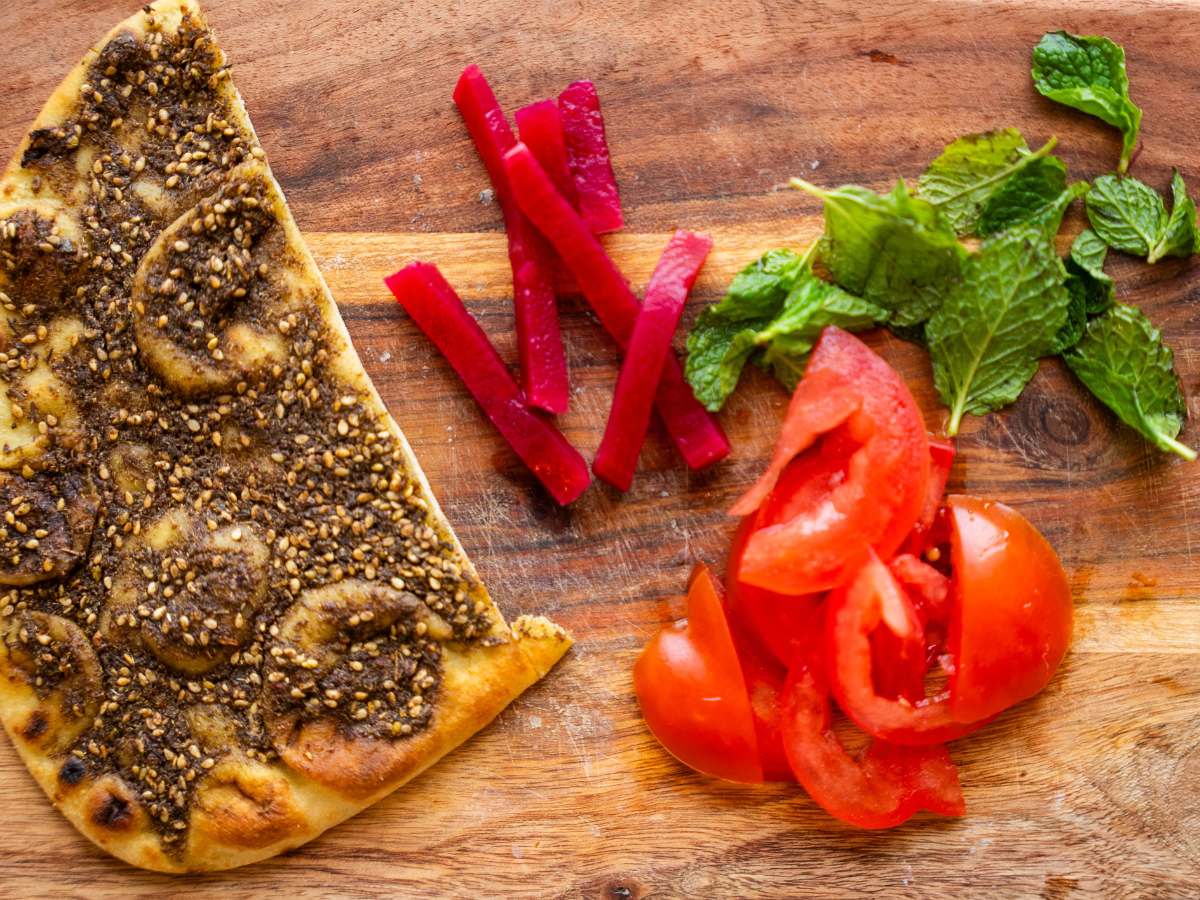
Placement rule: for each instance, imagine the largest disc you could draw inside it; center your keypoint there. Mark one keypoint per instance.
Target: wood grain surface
(1091, 789)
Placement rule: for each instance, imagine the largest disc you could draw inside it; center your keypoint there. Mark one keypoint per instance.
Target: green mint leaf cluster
(962, 181)
(1123, 361)
(1131, 217)
(896, 251)
(987, 317)
(1005, 313)
(1088, 73)
(772, 316)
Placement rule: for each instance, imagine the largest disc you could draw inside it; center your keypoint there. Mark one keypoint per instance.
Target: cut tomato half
(1016, 612)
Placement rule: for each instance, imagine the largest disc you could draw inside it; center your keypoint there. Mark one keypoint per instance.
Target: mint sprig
(1006, 312)
(1088, 73)
(1123, 361)
(896, 251)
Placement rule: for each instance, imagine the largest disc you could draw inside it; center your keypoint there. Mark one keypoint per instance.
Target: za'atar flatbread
(231, 611)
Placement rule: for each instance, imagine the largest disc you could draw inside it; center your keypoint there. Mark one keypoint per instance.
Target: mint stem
(1186, 452)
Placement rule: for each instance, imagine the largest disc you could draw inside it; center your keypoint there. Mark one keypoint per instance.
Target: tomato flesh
(771, 620)
(688, 681)
(765, 678)
(875, 505)
(875, 602)
(1016, 612)
(941, 460)
(886, 784)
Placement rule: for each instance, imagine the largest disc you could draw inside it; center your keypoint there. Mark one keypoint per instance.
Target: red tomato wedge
(875, 600)
(765, 678)
(1016, 609)
(772, 621)
(878, 502)
(941, 459)
(689, 683)
(885, 785)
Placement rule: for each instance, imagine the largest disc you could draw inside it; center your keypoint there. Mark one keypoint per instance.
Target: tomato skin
(876, 506)
(770, 620)
(855, 612)
(689, 684)
(1016, 609)
(764, 683)
(886, 784)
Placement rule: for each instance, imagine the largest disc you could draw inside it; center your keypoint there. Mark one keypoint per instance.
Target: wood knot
(1064, 422)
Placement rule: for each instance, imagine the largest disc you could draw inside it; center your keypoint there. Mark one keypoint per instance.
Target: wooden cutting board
(1091, 789)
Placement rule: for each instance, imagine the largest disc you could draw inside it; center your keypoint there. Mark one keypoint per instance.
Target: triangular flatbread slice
(231, 611)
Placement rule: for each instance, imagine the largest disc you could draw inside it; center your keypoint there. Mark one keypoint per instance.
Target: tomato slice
(885, 785)
(941, 460)
(1016, 609)
(877, 503)
(771, 620)
(765, 677)
(689, 683)
(875, 600)
(899, 664)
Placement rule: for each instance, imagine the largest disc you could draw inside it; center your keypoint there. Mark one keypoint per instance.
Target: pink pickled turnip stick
(697, 434)
(587, 154)
(543, 361)
(541, 130)
(439, 312)
(648, 349)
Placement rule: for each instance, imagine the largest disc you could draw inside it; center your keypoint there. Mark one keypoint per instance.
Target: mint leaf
(716, 353)
(896, 251)
(971, 170)
(811, 306)
(1033, 186)
(1005, 313)
(1068, 336)
(1126, 214)
(914, 334)
(786, 364)
(718, 349)
(1049, 217)
(1123, 361)
(1088, 73)
(760, 288)
(714, 365)
(1180, 237)
(1086, 266)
